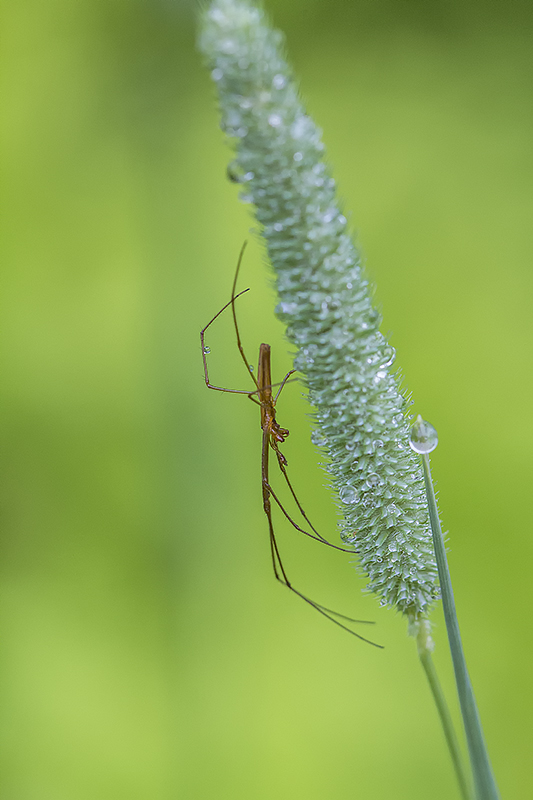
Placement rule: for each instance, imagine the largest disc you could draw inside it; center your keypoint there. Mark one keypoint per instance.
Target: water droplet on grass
(318, 438)
(389, 354)
(423, 437)
(274, 120)
(348, 494)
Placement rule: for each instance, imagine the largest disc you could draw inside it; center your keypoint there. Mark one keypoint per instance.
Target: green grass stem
(484, 783)
(424, 644)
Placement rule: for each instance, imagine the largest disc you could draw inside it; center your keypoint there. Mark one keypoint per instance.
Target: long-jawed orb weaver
(272, 436)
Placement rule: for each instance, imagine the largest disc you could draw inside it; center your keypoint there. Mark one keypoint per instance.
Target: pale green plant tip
(325, 299)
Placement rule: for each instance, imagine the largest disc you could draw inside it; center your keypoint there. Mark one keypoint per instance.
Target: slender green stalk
(425, 648)
(485, 785)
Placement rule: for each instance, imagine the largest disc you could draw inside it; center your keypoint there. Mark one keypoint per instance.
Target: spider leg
(270, 386)
(232, 303)
(277, 564)
(204, 353)
(304, 515)
(282, 384)
(281, 576)
(282, 461)
(316, 536)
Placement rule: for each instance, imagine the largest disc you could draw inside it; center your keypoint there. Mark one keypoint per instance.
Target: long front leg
(205, 349)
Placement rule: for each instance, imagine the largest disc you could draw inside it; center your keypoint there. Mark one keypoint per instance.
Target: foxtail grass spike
(361, 415)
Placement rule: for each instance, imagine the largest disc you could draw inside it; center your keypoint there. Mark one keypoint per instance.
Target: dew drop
(389, 354)
(228, 46)
(216, 15)
(279, 81)
(373, 480)
(207, 349)
(423, 437)
(217, 74)
(298, 156)
(251, 367)
(274, 120)
(348, 494)
(300, 127)
(318, 438)
(287, 308)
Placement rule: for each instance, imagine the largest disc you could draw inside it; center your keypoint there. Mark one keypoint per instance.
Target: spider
(273, 435)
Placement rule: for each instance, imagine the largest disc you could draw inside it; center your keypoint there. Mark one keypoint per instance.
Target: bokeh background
(148, 653)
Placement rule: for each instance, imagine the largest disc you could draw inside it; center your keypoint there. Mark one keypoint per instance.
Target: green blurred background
(147, 651)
